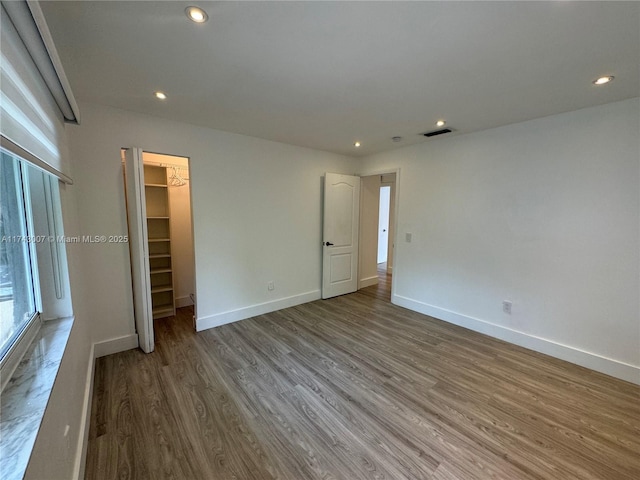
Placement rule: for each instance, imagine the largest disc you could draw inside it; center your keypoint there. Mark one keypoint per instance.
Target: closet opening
(171, 257)
(163, 257)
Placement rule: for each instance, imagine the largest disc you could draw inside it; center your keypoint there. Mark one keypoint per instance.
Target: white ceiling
(324, 74)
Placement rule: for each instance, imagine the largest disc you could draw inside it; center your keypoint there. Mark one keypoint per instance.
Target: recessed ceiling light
(396, 139)
(357, 144)
(440, 123)
(196, 14)
(603, 80)
(160, 96)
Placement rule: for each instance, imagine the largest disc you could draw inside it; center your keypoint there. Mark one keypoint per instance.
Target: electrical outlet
(271, 286)
(506, 307)
(408, 236)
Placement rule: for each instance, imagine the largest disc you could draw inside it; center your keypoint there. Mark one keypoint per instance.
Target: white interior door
(138, 245)
(340, 232)
(383, 223)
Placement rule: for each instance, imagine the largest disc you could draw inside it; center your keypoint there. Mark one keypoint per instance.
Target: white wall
(257, 218)
(256, 209)
(183, 255)
(368, 240)
(543, 213)
(54, 455)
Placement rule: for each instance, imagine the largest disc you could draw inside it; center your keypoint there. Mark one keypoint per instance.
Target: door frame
(193, 232)
(396, 209)
(148, 326)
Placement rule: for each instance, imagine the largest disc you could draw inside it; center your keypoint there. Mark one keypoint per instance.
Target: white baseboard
(183, 301)
(601, 364)
(367, 282)
(85, 419)
(223, 318)
(116, 345)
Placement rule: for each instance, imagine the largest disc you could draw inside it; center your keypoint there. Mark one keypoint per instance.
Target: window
(34, 289)
(17, 254)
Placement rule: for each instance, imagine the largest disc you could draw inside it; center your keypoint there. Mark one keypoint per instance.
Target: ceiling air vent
(437, 132)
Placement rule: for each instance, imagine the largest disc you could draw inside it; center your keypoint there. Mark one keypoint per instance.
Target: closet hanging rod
(172, 165)
(175, 169)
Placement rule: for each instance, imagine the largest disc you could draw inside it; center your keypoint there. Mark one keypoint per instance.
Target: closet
(158, 209)
(170, 233)
(156, 189)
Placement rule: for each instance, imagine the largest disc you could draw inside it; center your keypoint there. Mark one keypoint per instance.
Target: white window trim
(28, 213)
(14, 356)
(29, 331)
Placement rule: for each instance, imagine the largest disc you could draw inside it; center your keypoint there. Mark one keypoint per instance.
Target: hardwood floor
(354, 388)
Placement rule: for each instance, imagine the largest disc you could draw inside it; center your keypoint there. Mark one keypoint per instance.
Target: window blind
(31, 119)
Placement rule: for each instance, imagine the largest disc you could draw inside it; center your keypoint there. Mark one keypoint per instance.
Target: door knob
(328, 244)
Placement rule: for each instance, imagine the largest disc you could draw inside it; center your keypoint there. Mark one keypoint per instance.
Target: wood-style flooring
(354, 388)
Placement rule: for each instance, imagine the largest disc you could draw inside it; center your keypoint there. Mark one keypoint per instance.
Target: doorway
(383, 225)
(388, 191)
(377, 226)
(162, 250)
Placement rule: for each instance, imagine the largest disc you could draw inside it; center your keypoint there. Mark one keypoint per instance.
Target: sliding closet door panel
(138, 244)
